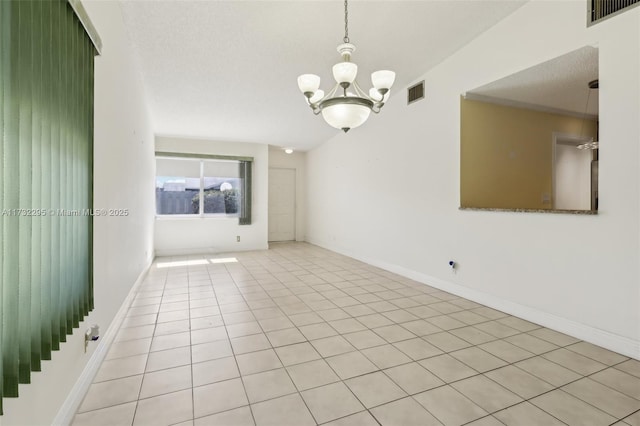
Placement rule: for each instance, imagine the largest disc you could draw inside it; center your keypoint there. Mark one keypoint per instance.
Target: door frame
(565, 139)
(295, 201)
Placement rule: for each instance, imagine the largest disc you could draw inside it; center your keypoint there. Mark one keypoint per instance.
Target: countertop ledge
(491, 209)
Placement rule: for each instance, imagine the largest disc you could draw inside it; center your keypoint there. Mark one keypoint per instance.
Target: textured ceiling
(558, 84)
(227, 70)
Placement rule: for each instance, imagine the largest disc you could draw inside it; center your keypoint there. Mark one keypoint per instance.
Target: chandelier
(592, 144)
(346, 106)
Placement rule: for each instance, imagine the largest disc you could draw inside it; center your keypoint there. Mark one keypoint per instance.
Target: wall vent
(600, 9)
(415, 92)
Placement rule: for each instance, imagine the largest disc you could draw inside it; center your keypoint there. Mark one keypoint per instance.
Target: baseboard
(76, 395)
(603, 338)
(206, 250)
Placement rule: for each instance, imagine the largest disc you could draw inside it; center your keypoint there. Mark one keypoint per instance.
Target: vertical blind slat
(82, 234)
(58, 104)
(73, 184)
(64, 137)
(84, 177)
(4, 78)
(89, 188)
(10, 222)
(36, 189)
(45, 196)
(68, 161)
(24, 190)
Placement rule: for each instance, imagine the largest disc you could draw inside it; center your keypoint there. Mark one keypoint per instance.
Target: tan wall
(506, 154)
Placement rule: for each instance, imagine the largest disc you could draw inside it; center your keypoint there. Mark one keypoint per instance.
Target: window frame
(244, 205)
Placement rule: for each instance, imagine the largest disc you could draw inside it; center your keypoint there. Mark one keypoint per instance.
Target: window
(177, 186)
(222, 187)
(203, 186)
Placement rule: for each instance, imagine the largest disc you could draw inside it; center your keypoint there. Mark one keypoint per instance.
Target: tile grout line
(235, 359)
(299, 393)
(147, 357)
(193, 396)
(301, 283)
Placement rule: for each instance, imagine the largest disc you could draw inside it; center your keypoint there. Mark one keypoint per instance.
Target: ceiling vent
(415, 92)
(600, 9)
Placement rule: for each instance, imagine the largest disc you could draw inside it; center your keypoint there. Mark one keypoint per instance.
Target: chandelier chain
(586, 111)
(346, 22)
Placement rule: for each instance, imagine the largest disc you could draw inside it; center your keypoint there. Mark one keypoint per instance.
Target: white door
(282, 204)
(572, 177)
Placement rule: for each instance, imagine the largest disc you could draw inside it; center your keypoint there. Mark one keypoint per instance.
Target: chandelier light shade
(308, 83)
(340, 108)
(345, 72)
(589, 145)
(345, 116)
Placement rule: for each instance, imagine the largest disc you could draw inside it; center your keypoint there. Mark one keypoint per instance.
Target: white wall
(123, 246)
(177, 236)
(388, 192)
(278, 159)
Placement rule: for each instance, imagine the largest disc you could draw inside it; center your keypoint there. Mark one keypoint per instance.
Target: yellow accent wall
(506, 154)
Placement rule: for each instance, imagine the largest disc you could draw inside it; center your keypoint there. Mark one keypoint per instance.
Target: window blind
(46, 153)
(245, 207)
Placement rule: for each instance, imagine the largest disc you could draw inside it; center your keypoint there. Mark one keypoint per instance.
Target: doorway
(573, 175)
(282, 204)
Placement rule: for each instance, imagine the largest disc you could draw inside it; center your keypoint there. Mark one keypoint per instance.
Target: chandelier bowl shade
(346, 113)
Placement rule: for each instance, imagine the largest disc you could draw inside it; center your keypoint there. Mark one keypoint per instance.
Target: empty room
(320, 212)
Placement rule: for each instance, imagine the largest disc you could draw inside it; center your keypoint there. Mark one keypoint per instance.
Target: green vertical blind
(46, 152)
(245, 202)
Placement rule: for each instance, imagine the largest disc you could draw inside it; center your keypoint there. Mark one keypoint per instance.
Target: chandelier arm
(316, 106)
(312, 106)
(376, 103)
(329, 95)
(361, 93)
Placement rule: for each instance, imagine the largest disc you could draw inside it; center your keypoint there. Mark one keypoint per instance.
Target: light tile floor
(298, 335)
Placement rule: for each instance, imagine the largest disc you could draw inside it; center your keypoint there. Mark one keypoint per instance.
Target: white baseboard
(76, 395)
(603, 338)
(206, 250)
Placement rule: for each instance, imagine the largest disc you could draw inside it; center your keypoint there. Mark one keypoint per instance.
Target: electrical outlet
(238, 238)
(546, 198)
